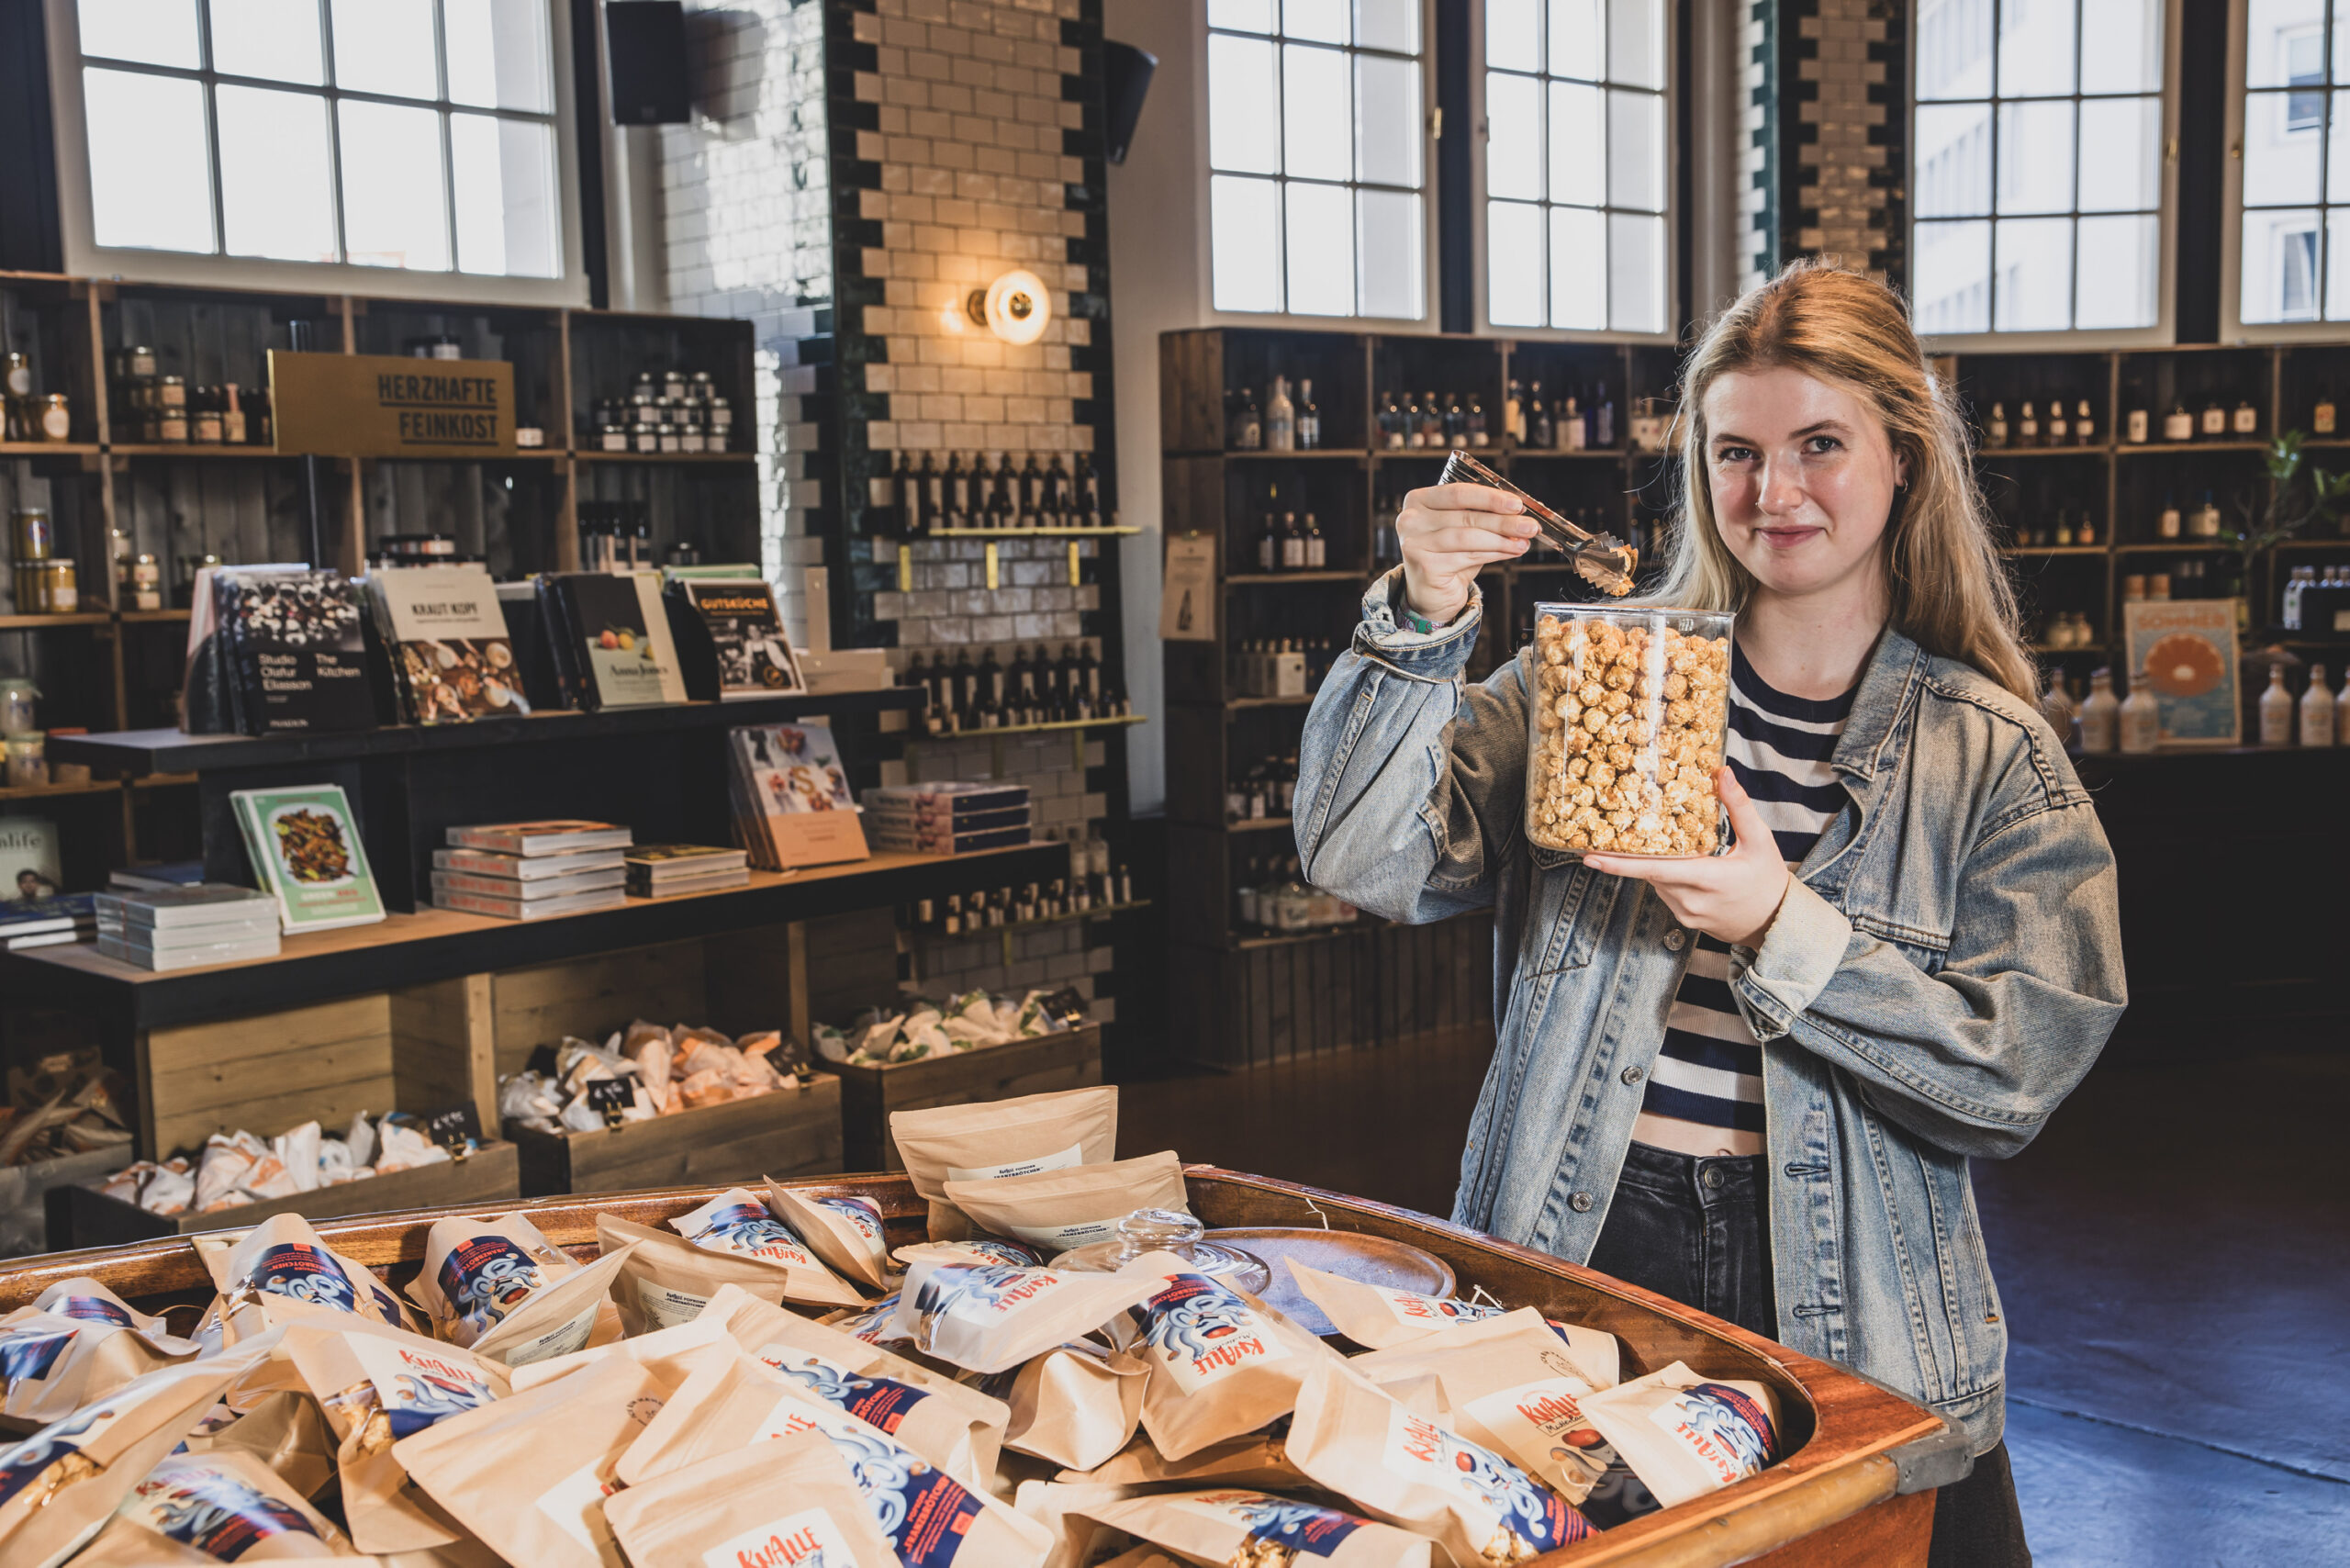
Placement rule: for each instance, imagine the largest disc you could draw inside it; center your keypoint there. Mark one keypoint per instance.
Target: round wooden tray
(1349, 1254)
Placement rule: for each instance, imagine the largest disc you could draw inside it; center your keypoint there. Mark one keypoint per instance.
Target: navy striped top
(1704, 1096)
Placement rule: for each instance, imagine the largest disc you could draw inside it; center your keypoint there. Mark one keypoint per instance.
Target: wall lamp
(1015, 307)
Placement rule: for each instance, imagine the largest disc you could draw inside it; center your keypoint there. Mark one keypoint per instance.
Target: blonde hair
(1951, 593)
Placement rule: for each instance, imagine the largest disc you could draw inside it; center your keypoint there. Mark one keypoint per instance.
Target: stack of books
(185, 927)
(664, 871)
(947, 819)
(146, 878)
(45, 922)
(530, 870)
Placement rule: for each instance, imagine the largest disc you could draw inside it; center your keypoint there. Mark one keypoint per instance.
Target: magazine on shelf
(551, 836)
(29, 862)
(306, 851)
(746, 629)
(452, 660)
(792, 802)
(296, 660)
(615, 631)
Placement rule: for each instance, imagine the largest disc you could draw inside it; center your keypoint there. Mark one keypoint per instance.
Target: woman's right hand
(1449, 533)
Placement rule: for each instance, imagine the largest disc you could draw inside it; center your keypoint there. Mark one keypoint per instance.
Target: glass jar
(56, 418)
(63, 593)
(18, 696)
(1629, 714)
(171, 392)
(28, 760)
(32, 534)
(16, 374)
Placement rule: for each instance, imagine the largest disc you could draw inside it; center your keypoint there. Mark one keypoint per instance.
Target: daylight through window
(2295, 264)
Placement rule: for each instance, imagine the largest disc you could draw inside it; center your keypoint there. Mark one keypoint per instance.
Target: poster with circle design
(2186, 650)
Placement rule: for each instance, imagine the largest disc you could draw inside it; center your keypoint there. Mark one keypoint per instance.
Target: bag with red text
(231, 1507)
(1378, 1316)
(281, 1271)
(973, 1250)
(500, 1288)
(1229, 1526)
(845, 1231)
(668, 1280)
(1221, 1362)
(785, 1502)
(1685, 1435)
(736, 1225)
(989, 1318)
(78, 1342)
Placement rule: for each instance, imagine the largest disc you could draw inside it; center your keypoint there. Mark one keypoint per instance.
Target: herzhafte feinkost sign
(343, 405)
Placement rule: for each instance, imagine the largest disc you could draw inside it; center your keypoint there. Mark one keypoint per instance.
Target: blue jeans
(1694, 1229)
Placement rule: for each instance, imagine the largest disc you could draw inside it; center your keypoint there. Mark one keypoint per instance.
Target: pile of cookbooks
(915, 1027)
(766, 1379)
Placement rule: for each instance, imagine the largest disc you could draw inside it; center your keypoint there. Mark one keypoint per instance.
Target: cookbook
(307, 852)
(452, 658)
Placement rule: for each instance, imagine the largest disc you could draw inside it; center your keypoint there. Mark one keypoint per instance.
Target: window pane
(1514, 135)
(497, 53)
(1514, 34)
(385, 46)
(1953, 153)
(1317, 113)
(277, 40)
(1951, 287)
(2120, 155)
(1390, 253)
(2337, 266)
(1578, 40)
(1325, 20)
(393, 206)
(1244, 237)
(1244, 131)
(2119, 272)
(1388, 24)
(150, 171)
(2035, 48)
(155, 32)
(507, 219)
(1321, 237)
(2337, 159)
(2035, 276)
(1954, 49)
(276, 191)
(2342, 43)
(2280, 272)
(2279, 159)
(1578, 145)
(2035, 157)
(1635, 272)
(1578, 269)
(1513, 263)
(1387, 120)
(2275, 47)
(1636, 151)
(2128, 52)
(1636, 43)
(1242, 15)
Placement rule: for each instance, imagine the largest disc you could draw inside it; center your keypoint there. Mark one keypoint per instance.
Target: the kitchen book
(618, 651)
(793, 798)
(306, 851)
(452, 658)
(2186, 650)
(754, 655)
(295, 658)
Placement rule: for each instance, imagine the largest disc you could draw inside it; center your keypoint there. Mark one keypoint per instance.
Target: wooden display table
(1856, 1488)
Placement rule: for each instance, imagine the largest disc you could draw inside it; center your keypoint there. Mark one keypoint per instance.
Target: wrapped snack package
(1402, 1467)
(58, 1485)
(738, 1225)
(973, 1250)
(529, 1475)
(1075, 1404)
(1066, 1510)
(286, 1433)
(1259, 1459)
(956, 1429)
(1220, 1362)
(78, 1342)
(1005, 1137)
(1513, 1386)
(990, 1319)
(843, 1231)
(875, 1324)
(281, 1271)
(231, 1508)
(1378, 1316)
(929, 1519)
(662, 1352)
(501, 1289)
(1685, 1435)
(668, 1280)
(786, 1503)
(1238, 1527)
(88, 1301)
(1057, 1210)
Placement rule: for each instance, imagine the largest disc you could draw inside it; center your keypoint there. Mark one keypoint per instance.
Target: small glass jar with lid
(18, 696)
(667, 435)
(612, 438)
(56, 418)
(167, 425)
(16, 375)
(690, 439)
(645, 438)
(171, 392)
(204, 426)
(673, 385)
(699, 389)
(28, 760)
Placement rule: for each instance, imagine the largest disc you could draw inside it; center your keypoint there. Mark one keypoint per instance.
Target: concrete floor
(2174, 1253)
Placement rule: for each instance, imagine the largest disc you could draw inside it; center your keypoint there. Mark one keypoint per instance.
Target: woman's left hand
(1733, 896)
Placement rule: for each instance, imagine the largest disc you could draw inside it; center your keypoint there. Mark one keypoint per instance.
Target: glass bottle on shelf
(1414, 433)
(2100, 714)
(2057, 707)
(1475, 421)
(2245, 421)
(954, 494)
(1280, 418)
(1309, 417)
(2027, 427)
(1539, 432)
(1996, 432)
(1603, 419)
(2342, 714)
(2134, 423)
(930, 499)
(2276, 710)
(2141, 716)
(2060, 429)
(1317, 548)
(1292, 544)
(1432, 422)
(1269, 545)
(2206, 521)
(2084, 424)
(1060, 507)
(1571, 426)
(2322, 416)
(1514, 414)
(2214, 423)
(2317, 710)
(2085, 532)
(1456, 423)
(2167, 524)
(2178, 424)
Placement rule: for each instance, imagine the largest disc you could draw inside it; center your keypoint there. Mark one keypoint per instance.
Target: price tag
(610, 1096)
(1066, 1006)
(453, 1127)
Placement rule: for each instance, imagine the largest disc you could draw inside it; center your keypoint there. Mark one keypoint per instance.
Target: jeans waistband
(1701, 1179)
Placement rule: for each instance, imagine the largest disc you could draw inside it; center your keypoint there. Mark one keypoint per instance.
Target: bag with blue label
(1233, 1526)
(78, 1342)
(500, 1288)
(987, 1318)
(213, 1507)
(843, 1231)
(785, 1502)
(1221, 1362)
(671, 1278)
(1685, 1435)
(281, 1271)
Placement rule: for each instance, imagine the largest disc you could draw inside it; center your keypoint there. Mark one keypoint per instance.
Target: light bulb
(1015, 307)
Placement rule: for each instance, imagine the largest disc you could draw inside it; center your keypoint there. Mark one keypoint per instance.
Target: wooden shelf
(2095, 449)
(1024, 533)
(2051, 550)
(2175, 547)
(151, 617)
(38, 791)
(1062, 725)
(1256, 824)
(923, 941)
(49, 449)
(1309, 453)
(43, 622)
(688, 457)
(1591, 453)
(192, 449)
(1237, 702)
(1267, 579)
(2173, 448)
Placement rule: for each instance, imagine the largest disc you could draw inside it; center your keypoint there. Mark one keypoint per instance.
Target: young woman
(1752, 1082)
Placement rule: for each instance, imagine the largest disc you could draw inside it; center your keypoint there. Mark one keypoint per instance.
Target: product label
(864, 1216)
(880, 1401)
(1542, 1424)
(1434, 1311)
(418, 1389)
(557, 1341)
(872, 1324)
(1061, 1238)
(301, 1273)
(805, 1539)
(27, 1354)
(924, 1512)
(1059, 1160)
(749, 1230)
(575, 1504)
(1199, 1332)
(25, 1463)
(92, 1309)
(666, 1306)
(213, 1510)
(1495, 1493)
(1274, 1521)
(485, 1277)
(1723, 1430)
(980, 1292)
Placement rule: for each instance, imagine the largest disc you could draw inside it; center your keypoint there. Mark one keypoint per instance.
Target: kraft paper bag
(1221, 1362)
(993, 1138)
(973, 1250)
(785, 1502)
(662, 1352)
(1685, 1435)
(736, 1225)
(669, 1279)
(1380, 1317)
(1055, 1211)
(1225, 1527)
(71, 1348)
(285, 1432)
(230, 1506)
(501, 1289)
(281, 1271)
(1258, 1460)
(990, 1319)
(1066, 1510)
(1077, 1405)
(843, 1231)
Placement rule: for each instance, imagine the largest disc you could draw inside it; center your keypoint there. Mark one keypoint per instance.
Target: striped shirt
(1704, 1095)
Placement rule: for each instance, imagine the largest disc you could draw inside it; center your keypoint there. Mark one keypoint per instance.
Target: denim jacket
(1946, 966)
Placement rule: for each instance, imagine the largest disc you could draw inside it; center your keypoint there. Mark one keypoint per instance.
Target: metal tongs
(1602, 559)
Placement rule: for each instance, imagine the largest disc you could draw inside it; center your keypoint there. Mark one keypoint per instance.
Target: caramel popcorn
(1628, 725)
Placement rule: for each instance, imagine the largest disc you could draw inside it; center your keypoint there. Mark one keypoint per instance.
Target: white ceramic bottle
(2100, 714)
(2142, 718)
(2317, 710)
(2057, 707)
(2276, 710)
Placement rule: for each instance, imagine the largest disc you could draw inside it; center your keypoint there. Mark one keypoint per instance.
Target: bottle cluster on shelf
(1284, 423)
(1286, 544)
(1100, 886)
(1281, 666)
(1432, 420)
(966, 697)
(2200, 521)
(164, 410)
(2185, 579)
(2067, 629)
(2319, 717)
(2102, 723)
(45, 581)
(617, 536)
(2293, 614)
(2053, 423)
(1011, 497)
(28, 414)
(1263, 789)
(2063, 531)
(666, 412)
(1274, 896)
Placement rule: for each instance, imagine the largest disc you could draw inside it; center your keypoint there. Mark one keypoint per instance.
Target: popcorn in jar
(1629, 710)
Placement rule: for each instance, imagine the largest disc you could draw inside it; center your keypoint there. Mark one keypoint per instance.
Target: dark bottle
(1269, 545)
(1292, 544)
(917, 674)
(1414, 431)
(1055, 506)
(1390, 423)
(1249, 423)
(930, 489)
(967, 691)
(905, 495)
(941, 695)
(1088, 500)
(1456, 423)
(1001, 508)
(1539, 432)
(1473, 424)
(1031, 494)
(1309, 417)
(1020, 685)
(1603, 419)
(1317, 549)
(954, 494)
(1066, 683)
(1089, 673)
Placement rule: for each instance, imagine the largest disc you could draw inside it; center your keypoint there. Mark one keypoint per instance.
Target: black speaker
(644, 50)
(1126, 71)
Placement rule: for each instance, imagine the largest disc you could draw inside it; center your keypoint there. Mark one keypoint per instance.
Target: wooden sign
(342, 404)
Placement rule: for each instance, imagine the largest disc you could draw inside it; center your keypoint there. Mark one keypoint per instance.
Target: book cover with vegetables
(622, 633)
(306, 850)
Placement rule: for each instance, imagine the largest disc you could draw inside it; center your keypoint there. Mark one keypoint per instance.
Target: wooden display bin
(792, 1134)
(1854, 1487)
(83, 1216)
(868, 1094)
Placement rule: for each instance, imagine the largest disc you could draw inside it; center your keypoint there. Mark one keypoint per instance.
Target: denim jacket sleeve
(1975, 1056)
(1410, 783)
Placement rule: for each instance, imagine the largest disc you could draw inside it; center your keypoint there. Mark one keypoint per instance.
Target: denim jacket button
(1580, 1202)
(1633, 1075)
(1676, 939)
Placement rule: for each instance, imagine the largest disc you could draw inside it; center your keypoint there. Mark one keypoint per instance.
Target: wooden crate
(797, 1134)
(83, 1216)
(868, 1094)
